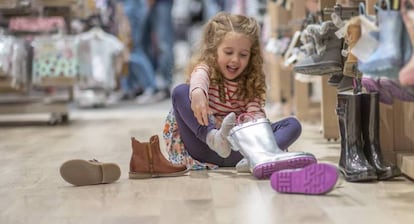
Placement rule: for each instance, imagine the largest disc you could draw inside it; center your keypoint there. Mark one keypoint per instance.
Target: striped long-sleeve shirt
(200, 79)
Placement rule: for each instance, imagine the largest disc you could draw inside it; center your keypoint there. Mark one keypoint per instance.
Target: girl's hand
(199, 105)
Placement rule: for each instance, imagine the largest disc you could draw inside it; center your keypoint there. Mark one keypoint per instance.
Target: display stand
(52, 95)
(329, 119)
(284, 88)
(305, 109)
(45, 99)
(279, 78)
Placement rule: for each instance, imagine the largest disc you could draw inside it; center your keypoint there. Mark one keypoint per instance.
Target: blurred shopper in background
(162, 30)
(152, 51)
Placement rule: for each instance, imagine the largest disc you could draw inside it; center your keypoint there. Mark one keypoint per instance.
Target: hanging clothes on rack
(97, 53)
(54, 56)
(13, 61)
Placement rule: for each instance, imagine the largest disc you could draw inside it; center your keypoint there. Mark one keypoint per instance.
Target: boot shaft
(257, 135)
(353, 33)
(141, 158)
(328, 41)
(348, 110)
(370, 117)
(323, 36)
(307, 39)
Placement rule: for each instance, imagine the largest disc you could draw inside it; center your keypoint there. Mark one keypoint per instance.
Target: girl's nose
(235, 59)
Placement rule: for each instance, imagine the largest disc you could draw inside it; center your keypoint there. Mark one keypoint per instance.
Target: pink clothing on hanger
(36, 24)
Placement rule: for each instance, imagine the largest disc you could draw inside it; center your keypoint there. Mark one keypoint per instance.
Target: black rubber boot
(352, 162)
(370, 134)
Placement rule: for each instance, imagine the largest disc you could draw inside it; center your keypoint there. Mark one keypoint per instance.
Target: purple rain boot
(318, 178)
(372, 85)
(396, 90)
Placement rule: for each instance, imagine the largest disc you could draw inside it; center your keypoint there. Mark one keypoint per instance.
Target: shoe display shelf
(284, 88)
(397, 135)
(279, 77)
(52, 96)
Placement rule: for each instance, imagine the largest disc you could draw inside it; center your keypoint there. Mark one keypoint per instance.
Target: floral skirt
(175, 146)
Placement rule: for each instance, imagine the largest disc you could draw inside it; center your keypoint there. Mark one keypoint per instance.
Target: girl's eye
(228, 52)
(243, 55)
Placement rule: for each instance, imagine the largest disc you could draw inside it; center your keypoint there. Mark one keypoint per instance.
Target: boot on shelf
(372, 85)
(352, 35)
(148, 161)
(396, 90)
(335, 79)
(387, 59)
(327, 59)
(370, 135)
(352, 161)
(307, 40)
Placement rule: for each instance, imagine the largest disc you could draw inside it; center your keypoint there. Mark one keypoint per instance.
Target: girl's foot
(217, 139)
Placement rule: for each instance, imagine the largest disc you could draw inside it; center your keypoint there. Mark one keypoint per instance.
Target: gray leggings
(193, 135)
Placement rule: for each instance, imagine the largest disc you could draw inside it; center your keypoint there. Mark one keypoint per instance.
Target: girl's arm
(199, 84)
(255, 108)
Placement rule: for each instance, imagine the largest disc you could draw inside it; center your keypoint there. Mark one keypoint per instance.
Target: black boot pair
(361, 158)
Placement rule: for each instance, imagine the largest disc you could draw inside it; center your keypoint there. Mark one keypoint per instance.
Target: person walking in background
(142, 67)
(162, 28)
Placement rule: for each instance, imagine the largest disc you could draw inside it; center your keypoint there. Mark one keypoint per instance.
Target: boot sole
(81, 172)
(264, 171)
(382, 67)
(135, 175)
(314, 179)
(389, 174)
(360, 177)
(325, 68)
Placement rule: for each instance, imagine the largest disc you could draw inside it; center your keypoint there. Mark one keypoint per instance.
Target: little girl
(225, 80)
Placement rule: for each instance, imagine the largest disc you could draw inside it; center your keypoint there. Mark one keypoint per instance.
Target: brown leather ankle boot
(147, 161)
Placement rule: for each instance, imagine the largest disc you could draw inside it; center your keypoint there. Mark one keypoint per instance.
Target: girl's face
(233, 54)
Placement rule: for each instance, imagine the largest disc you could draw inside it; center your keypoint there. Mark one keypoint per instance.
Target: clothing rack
(52, 96)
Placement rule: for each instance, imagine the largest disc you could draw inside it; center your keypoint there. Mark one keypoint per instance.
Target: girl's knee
(180, 91)
(295, 125)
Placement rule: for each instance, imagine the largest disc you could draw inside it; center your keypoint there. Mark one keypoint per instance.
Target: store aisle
(32, 191)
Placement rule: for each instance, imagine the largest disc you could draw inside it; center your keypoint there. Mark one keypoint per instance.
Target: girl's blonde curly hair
(251, 83)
